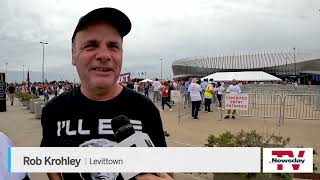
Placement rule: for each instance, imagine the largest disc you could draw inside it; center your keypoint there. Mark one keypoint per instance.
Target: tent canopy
(146, 80)
(242, 76)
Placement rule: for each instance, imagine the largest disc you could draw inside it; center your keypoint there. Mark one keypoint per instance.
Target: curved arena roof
(279, 63)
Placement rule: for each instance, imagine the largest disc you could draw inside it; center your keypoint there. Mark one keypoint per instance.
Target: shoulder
(135, 97)
(139, 101)
(64, 99)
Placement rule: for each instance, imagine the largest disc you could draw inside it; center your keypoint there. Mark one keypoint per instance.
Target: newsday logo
(288, 160)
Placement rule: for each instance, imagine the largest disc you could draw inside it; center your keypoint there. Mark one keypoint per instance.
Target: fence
(283, 106)
(281, 102)
(301, 106)
(277, 106)
(264, 105)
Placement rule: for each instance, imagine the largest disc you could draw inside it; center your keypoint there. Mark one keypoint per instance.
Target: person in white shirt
(219, 91)
(5, 142)
(60, 90)
(233, 88)
(175, 85)
(195, 90)
(156, 87)
(135, 86)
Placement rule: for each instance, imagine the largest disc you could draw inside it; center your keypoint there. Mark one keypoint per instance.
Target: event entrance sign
(237, 101)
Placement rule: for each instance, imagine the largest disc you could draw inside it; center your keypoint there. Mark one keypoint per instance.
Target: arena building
(301, 65)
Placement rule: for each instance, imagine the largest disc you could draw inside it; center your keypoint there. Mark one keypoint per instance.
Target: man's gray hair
(194, 80)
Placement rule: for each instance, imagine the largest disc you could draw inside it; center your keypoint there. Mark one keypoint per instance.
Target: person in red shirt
(165, 95)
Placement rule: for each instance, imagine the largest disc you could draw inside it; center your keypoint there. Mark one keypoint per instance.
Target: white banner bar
(137, 159)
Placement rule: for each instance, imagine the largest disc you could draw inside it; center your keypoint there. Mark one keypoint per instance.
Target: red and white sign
(124, 78)
(288, 160)
(237, 101)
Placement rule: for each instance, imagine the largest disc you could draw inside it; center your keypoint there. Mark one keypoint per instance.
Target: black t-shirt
(63, 115)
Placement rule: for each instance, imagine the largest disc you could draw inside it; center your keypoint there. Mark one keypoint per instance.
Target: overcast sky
(165, 29)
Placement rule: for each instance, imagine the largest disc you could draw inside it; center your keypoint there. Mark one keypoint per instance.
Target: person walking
(146, 89)
(156, 90)
(11, 91)
(186, 93)
(165, 96)
(203, 85)
(46, 94)
(208, 95)
(195, 90)
(219, 91)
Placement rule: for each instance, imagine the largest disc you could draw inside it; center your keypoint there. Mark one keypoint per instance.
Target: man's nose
(103, 54)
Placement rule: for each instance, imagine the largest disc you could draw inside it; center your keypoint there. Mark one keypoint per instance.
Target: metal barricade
(277, 101)
(265, 105)
(306, 107)
(184, 108)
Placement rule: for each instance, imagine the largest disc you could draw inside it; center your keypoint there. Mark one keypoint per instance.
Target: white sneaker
(219, 108)
(171, 109)
(222, 109)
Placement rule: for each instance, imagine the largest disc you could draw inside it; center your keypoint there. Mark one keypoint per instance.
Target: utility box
(3, 106)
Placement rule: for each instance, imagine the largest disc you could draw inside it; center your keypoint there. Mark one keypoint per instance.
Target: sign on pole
(175, 95)
(236, 101)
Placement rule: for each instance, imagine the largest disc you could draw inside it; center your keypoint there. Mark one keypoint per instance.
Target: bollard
(38, 105)
(32, 104)
(28, 104)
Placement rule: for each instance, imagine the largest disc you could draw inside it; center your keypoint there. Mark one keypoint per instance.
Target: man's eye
(90, 46)
(114, 46)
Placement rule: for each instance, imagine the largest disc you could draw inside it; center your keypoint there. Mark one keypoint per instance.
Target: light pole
(294, 59)
(6, 70)
(161, 69)
(23, 73)
(43, 43)
(286, 71)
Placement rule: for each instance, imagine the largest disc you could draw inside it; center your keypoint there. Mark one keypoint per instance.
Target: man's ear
(73, 62)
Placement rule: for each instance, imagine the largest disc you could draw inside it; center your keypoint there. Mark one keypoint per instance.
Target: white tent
(145, 80)
(242, 76)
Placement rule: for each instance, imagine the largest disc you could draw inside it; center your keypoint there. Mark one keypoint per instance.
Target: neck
(101, 94)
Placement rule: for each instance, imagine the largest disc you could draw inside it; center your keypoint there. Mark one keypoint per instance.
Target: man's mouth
(102, 69)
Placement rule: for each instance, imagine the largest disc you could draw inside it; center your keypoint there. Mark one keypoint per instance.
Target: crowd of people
(38, 88)
(200, 95)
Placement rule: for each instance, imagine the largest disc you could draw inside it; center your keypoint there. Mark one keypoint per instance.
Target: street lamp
(6, 69)
(286, 71)
(43, 43)
(294, 59)
(23, 73)
(186, 69)
(161, 69)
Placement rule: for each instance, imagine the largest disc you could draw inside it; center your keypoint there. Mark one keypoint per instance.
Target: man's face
(234, 82)
(97, 55)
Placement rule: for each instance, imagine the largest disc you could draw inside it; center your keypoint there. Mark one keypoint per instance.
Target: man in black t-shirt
(82, 116)
(11, 91)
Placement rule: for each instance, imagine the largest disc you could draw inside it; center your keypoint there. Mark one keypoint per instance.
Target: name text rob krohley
(67, 161)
